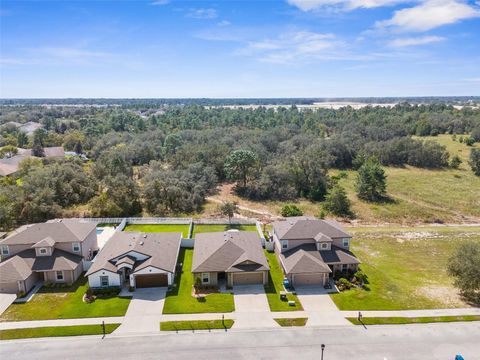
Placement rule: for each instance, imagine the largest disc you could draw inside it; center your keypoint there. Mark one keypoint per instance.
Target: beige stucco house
(51, 252)
(311, 250)
(235, 257)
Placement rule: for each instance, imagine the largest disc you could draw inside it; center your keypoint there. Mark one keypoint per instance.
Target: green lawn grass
(292, 321)
(183, 228)
(406, 268)
(179, 300)
(411, 320)
(195, 325)
(275, 285)
(54, 331)
(200, 228)
(65, 303)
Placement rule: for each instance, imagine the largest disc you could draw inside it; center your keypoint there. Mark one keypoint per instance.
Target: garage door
(308, 279)
(9, 288)
(248, 278)
(151, 280)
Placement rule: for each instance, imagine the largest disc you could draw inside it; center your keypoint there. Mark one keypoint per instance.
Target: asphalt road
(422, 341)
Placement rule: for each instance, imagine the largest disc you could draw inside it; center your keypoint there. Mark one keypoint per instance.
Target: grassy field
(193, 325)
(292, 322)
(275, 285)
(183, 228)
(219, 228)
(419, 195)
(406, 267)
(65, 303)
(411, 320)
(56, 331)
(179, 300)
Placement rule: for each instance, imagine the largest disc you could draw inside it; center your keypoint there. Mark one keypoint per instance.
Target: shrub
(455, 162)
(343, 284)
(106, 292)
(469, 141)
(21, 294)
(291, 210)
(361, 277)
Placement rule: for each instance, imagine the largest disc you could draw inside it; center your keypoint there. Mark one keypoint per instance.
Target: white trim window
(76, 247)
(205, 278)
(5, 250)
(344, 267)
(59, 276)
(43, 251)
(104, 281)
(346, 243)
(323, 246)
(284, 244)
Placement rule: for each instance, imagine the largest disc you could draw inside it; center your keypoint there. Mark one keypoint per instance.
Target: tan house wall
(339, 242)
(90, 242)
(15, 249)
(213, 278)
(67, 275)
(49, 251)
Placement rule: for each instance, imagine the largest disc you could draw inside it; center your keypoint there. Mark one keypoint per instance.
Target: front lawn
(406, 268)
(183, 228)
(65, 303)
(179, 300)
(193, 325)
(275, 285)
(201, 228)
(411, 320)
(54, 331)
(291, 322)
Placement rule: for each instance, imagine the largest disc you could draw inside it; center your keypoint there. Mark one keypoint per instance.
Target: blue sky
(291, 48)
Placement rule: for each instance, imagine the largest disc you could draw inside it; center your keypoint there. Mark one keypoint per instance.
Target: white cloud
(224, 23)
(202, 13)
(294, 47)
(429, 15)
(311, 5)
(403, 42)
(160, 2)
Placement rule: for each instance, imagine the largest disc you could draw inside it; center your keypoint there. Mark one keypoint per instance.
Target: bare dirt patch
(445, 294)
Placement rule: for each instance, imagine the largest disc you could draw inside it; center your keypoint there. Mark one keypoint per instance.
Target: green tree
(291, 210)
(8, 151)
(371, 184)
(229, 209)
(475, 161)
(239, 165)
(337, 202)
(464, 266)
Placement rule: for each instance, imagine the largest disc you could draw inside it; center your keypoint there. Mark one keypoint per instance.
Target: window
(76, 247)
(344, 267)
(5, 250)
(323, 246)
(42, 251)
(205, 278)
(284, 244)
(346, 243)
(59, 275)
(104, 281)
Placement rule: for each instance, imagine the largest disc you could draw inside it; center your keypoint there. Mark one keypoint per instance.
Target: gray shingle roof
(15, 269)
(307, 259)
(48, 241)
(62, 231)
(228, 251)
(307, 228)
(161, 248)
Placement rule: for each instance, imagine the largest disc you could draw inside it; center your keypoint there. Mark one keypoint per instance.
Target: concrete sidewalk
(62, 322)
(414, 313)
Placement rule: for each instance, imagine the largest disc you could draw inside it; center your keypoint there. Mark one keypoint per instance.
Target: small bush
(343, 284)
(106, 292)
(291, 210)
(21, 294)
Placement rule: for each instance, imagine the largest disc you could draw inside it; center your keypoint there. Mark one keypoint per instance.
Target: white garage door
(248, 278)
(308, 279)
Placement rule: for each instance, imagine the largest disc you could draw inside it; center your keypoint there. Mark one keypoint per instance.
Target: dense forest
(164, 160)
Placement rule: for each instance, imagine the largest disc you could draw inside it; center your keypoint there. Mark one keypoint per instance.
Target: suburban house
(52, 252)
(233, 256)
(138, 259)
(10, 165)
(311, 250)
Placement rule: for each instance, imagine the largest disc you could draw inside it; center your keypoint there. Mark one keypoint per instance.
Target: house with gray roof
(51, 252)
(311, 250)
(235, 257)
(136, 259)
(10, 165)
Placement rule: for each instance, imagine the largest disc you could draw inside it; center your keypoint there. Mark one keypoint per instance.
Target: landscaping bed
(179, 299)
(183, 228)
(193, 325)
(411, 320)
(66, 303)
(275, 286)
(292, 321)
(406, 268)
(54, 331)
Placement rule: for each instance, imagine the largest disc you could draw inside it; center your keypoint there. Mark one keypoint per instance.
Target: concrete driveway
(251, 308)
(144, 312)
(320, 308)
(5, 301)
